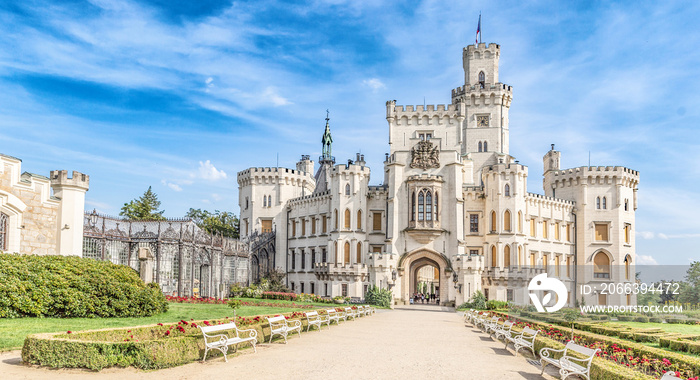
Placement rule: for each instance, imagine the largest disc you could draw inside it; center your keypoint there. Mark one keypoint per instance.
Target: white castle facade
(452, 198)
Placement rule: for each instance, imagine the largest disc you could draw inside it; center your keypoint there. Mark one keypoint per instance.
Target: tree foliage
(690, 289)
(218, 222)
(143, 208)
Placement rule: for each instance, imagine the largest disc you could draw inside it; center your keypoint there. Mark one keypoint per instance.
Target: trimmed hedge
(684, 343)
(71, 286)
(656, 320)
(144, 347)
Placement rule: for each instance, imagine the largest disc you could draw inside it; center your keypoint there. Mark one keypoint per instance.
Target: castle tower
(71, 210)
(551, 160)
(485, 131)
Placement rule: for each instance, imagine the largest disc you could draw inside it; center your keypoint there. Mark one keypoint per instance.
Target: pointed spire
(327, 140)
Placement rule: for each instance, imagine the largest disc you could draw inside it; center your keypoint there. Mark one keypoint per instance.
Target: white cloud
(209, 172)
(174, 187)
(646, 260)
(276, 99)
(645, 234)
(216, 197)
(374, 83)
(662, 236)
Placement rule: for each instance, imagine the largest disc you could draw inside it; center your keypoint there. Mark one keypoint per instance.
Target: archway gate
(411, 262)
(187, 260)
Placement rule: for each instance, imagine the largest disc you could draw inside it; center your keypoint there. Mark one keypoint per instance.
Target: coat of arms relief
(425, 155)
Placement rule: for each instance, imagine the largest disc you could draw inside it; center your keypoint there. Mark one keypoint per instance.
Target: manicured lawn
(668, 327)
(13, 331)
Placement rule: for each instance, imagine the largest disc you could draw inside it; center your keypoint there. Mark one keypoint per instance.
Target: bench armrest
(546, 351)
(294, 323)
(252, 333)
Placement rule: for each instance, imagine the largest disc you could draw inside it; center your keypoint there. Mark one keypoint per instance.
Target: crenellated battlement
(269, 174)
(496, 90)
(549, 201)
(595, 174)
(482, 48)
(59, 178)
(322, 196)
(425, 177)
(441, 111)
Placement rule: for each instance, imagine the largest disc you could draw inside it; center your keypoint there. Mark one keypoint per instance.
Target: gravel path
(412, 342)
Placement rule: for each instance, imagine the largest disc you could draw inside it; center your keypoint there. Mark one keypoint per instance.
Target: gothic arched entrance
(424, 266)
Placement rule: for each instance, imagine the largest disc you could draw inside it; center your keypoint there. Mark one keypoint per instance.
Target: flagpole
(480, 32)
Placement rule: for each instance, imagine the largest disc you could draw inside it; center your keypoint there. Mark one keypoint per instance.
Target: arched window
(520, 256)
(359, 219)
(347, 189)
(436, 206)
(428, 206)
(335, 216)
(601, 267)
(520, 222)
(421, 206)
(506, 221)
(486, 149)
(264, 201)
(494, 259)
(479, 146)
(628, 261)
(627, 204)
(269, 201)
(413, 206)
(506, 256)
(507, 190)
(493, 220)
(482, 79)
(347, 219)
(359, 252)
(605, 203)
(346, 253)
(4, 219)
(597, 203)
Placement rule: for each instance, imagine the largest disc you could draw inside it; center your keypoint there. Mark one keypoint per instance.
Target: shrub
(642, 319)
(378, 296)
(71, 286)
(496, 305)
(478, 301)
(656, 320)
(675, 320)
(280, 296)
(625, 318)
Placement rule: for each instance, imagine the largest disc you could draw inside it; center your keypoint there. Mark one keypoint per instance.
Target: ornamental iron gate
(187, 261)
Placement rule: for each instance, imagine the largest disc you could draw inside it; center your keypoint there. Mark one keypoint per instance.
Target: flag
(478, 30)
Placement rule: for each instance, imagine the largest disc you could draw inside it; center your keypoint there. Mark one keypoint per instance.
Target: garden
(75, 312)
(633, 346)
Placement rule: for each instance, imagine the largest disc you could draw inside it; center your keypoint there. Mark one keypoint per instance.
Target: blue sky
(182, 95)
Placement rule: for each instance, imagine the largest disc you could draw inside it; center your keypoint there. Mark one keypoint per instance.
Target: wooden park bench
(281, 326)
(317, 320)
(569, 364)
(333, 316)
(222, 341)
(526, 339)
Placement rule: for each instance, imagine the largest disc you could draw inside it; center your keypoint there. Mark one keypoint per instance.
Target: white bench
(504, 331)
(670, 375)
(491, 325)
(317, 320)
(350, 313)
(526, 339)
(281, 326)
(333, 316)
(222, 341)
(480, 319)
(569, 365)
(366, 310)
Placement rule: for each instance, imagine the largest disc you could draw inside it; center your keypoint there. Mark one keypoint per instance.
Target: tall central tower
(485, 129)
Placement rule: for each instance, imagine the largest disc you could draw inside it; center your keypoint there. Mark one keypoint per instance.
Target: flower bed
(280, 296)
(146, 347)
(198, 300)
(643, 359)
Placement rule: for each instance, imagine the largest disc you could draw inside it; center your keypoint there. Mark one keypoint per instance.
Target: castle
(453, 199)
(35, 221)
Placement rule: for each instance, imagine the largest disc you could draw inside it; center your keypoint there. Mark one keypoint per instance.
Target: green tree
(143, 208)
(690, 289)
(219, 222)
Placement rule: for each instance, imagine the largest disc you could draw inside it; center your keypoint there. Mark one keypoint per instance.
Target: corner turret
(71, 211)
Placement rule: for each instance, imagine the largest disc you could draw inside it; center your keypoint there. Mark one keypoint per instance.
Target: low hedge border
(685, 343)
(638, 349)
(160, 346)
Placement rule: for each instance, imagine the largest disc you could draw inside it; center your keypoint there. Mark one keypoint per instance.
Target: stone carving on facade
(425, 155)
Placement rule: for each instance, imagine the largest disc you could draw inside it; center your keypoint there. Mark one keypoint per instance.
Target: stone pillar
(146, 264)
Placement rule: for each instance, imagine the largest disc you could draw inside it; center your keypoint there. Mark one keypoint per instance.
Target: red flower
(70, 332)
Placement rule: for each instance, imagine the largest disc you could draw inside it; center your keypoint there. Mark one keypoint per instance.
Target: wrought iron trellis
(188, 260)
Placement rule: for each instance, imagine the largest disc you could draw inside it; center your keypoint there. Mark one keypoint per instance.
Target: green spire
(327, 140)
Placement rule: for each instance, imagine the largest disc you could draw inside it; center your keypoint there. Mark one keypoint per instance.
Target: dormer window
(482, 79)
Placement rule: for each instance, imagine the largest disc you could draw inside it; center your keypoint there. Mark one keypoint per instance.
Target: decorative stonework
(425, 155)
